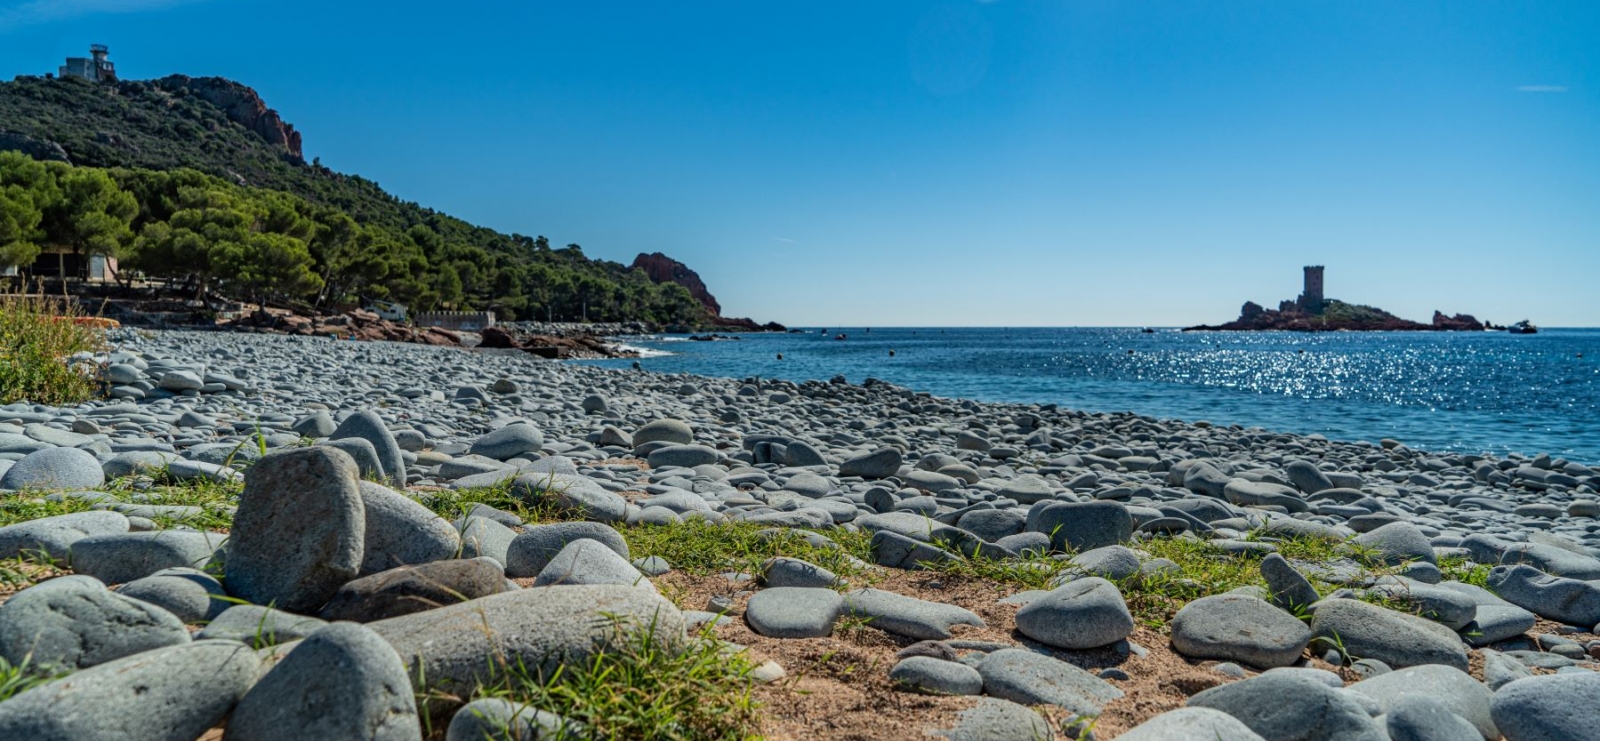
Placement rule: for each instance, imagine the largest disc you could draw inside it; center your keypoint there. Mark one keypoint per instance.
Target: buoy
(780, 356)
(891, 354)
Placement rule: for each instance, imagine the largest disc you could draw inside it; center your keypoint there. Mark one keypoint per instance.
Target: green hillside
(223, 130)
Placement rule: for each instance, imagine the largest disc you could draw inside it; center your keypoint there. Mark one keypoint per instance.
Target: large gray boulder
(1553, 707)
(1365, 631)
(570, 494)
(1453, 689)
(1397, 543)
(73, 622)
(494, 719)
(532, 550)
(52, 537)
(509, 442)
(1082, 526)
(1084, 613)
(906, 616)
(458, 647)
(682, 456)
(670, 431)
(1022, 676)
(1307, 477)
(118, 558)
(879, 464)
(1262, 494)
(1289, 589)
(1557, 598)
(1191, 724)
(587, 561)
(794, 612)
(1284, 706)
(1422, 718)
(54, 468)
(407, 589)
(401, 532)
(169, 694)
(190, 594)
(1236, 627)
(993, 719)
(342, 682)
(298, 534)
(259, 626)
(484, 537)
(368, 426)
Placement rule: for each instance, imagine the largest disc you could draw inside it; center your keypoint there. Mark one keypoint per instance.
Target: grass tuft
(641, 688)
(37, 334)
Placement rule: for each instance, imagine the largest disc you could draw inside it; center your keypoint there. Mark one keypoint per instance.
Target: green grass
(700, 547)
(640, 688)
(36, 335)
(22, 676)
(1456, 568)
(694, 546)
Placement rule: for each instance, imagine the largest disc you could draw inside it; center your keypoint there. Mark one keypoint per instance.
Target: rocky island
(1312, 312)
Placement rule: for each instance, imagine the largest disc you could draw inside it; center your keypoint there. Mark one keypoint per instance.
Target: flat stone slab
(1030, 678)
(1400, 640)
(167, 694)
(794, 612)
(73, 622)
(1232, 627)
(907, 616)
(451, 648)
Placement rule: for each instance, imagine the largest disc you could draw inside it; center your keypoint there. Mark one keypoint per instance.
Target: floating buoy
(891, 354)
(780, 356)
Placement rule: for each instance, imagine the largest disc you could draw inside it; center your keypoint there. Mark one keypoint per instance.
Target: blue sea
(1444, 391)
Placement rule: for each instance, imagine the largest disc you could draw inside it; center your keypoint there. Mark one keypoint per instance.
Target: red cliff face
(663, 269)
(242, 105)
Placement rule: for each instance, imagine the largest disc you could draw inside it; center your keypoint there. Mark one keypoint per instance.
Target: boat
(1523, 327)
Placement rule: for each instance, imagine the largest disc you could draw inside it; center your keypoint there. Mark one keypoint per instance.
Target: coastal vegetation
(175, 182)
(37, 335)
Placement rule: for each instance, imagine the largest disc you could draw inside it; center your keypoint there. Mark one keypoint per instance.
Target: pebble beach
(990, 571)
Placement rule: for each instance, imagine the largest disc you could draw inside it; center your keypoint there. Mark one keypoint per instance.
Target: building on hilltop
(1311, 299)
(94, 68)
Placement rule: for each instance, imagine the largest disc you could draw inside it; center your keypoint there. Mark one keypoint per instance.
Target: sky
(1001, 163)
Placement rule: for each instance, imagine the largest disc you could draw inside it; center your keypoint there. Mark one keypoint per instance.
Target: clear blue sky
(1061, 162)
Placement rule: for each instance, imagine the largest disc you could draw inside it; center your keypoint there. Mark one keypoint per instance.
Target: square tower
(1312, 299)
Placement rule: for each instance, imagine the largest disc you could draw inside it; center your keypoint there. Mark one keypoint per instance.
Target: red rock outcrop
(663, 269)
(243, 106)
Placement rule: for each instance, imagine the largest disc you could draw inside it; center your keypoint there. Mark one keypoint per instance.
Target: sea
(1477, 392)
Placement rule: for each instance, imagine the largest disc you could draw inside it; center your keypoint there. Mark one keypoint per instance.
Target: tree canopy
(270, 247)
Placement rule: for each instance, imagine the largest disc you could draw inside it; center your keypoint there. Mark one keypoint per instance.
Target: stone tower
(1311, 299)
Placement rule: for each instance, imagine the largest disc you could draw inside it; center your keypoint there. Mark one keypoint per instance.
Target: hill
(223, 129)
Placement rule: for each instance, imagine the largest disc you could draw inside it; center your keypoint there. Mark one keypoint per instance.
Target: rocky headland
(1336, 316)
(265, 537)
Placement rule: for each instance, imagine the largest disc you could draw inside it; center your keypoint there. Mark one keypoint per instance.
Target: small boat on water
(1523, 327)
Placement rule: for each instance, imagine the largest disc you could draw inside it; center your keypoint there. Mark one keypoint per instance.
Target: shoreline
(1466, 430)
(1051, 554)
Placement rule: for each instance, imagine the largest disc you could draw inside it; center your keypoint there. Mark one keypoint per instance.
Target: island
(1313, 312)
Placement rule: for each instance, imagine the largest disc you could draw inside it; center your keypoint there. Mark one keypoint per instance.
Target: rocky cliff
(242, 105)
(663, 269)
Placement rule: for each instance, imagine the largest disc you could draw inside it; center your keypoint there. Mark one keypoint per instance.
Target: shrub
(37, 335)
